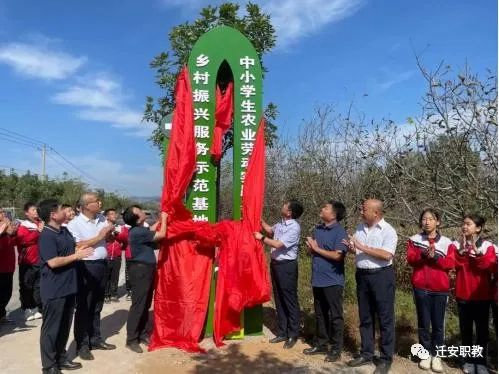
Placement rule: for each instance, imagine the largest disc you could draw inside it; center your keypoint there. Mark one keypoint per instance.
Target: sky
(74, 75)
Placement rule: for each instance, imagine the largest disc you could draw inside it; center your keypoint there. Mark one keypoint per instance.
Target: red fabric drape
(185, 259)
(223, 119)
(184, 267)
(243, 279)
(180, 163)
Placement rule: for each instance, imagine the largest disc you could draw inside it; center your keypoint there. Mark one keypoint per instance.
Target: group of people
(433, 258)
(69, 264)
(70, 259)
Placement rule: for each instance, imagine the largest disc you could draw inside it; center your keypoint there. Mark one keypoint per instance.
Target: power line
(18, 142)
(13, 133)
(15, 137)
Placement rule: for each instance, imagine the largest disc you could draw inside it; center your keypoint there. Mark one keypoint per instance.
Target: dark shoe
(115, 299)
(85, 354)
(359, 361)
(103, 346)
(290, 343)
(278, 339)
(107, 300)
(315, 351)
(145, 340)
(333, 356)
(69, 365)
(52, 370)
(134, 347)
(382, 368)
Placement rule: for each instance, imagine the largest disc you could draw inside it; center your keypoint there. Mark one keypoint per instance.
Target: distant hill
(145, 199)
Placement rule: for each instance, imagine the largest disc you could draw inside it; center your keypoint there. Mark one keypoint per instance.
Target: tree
(255, 25)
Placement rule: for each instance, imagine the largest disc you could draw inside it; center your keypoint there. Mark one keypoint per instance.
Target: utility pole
(44, 151)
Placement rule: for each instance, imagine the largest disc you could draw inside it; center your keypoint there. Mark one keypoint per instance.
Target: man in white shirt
(90, 229)
(374, 244)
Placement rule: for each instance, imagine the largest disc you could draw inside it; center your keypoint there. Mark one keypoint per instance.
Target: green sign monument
(221, 55)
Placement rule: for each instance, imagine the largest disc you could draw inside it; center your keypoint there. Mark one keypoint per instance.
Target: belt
(373, 271)
(100, 261)
(277, 262)
(141, 263)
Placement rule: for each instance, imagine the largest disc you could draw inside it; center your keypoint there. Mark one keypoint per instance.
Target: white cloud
(102, 99)
(293, 19)
(395, 79)
(39, 61)
(97, 93)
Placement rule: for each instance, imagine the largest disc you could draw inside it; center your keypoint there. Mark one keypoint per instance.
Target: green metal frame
(208, 54)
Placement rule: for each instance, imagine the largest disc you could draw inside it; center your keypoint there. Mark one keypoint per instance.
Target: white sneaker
(425, 364)
(482, 369)
(436, 364)
(29, 315)
(468, 368)
(38, 315)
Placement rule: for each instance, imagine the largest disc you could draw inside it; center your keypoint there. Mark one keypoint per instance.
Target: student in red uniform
(473, 289)
(432, 256)
(28, 258)
(114, 248)
(493, 271)
(7, 263)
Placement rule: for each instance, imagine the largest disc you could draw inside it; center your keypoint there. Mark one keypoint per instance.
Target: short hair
(82, 201)
(47, 207)
(296, 208)
(338, 208)
(109, 210)
(477, 220)
(129, 217)
(28, 206)
(64, 206)
(433, 212)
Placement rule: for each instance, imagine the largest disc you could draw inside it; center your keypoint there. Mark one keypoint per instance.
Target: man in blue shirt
(328, 280)
(58, 286)
(283, 239)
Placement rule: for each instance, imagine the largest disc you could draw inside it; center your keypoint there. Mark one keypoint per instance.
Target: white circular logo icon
(419, 351)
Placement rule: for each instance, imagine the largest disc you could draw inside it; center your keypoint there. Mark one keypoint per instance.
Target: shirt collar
(87, 220)
(425, 236)
(287, 222)
(52, 228)
(323, 226)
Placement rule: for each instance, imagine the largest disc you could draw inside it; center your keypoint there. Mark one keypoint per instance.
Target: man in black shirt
(142, 269)
(58, 286)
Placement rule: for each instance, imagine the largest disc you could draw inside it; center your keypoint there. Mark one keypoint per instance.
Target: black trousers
(6, 283)
(430, 308)
(328, 305)
(29, 287)
(141, 282)
(494, 315)
(92, 276)
(57, 318)
(474, 313)
(285, 286)
(113, 276)
(376, 298)
(127, 276)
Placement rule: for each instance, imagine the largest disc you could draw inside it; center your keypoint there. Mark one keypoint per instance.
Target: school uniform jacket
(431, 274)
(473, 278)
(27, 243)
